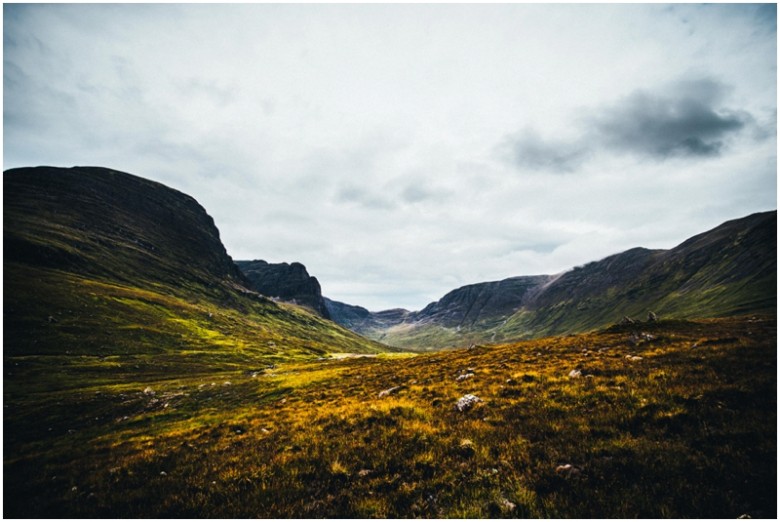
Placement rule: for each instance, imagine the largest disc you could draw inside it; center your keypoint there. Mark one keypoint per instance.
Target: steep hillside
(730, 270)
(287, 282)
(727, 271)
(108, 275)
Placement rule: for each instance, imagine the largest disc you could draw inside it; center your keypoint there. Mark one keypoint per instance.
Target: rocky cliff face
(483, 302)
(107, 223)
(285, 281)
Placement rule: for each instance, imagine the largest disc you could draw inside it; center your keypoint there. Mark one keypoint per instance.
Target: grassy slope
(105, 330)
(688, 430)
(118, 269)
(730, 270)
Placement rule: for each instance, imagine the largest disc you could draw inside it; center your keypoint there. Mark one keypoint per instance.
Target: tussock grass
(688, 430)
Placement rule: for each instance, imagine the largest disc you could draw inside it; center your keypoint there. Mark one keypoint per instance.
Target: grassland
(670, 419)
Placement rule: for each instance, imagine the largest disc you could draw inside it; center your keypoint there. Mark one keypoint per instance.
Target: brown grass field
(668, 419)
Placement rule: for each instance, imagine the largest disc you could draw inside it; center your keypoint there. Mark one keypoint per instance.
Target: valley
(148, 375)
(726, 271)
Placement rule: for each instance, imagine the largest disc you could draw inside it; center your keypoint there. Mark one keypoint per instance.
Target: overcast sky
(401, 151)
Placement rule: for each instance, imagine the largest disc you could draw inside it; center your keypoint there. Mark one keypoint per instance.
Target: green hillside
(108, 275)
(728, 271)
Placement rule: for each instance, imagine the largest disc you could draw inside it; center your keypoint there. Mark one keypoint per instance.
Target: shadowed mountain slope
(727, 271)
(287, 282)
(132, 276)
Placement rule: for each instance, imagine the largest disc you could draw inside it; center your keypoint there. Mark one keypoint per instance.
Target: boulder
(467, 402)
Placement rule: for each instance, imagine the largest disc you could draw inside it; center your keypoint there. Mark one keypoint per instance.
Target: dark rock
(288, 282)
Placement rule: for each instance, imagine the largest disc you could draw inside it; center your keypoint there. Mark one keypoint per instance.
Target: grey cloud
(415, 194)
(684, 120)
(687, 121)
(528, 150)
(353, 194)
(218, 95)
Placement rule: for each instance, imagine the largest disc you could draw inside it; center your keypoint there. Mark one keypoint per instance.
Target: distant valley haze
(402, 151)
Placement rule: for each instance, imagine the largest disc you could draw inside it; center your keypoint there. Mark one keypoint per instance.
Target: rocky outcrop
(482, 302)
(288, 282)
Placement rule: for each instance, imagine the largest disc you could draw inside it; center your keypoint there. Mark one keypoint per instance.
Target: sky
(402, 151)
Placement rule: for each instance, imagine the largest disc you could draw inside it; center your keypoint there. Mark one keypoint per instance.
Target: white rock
(467, 402)
(389, 391)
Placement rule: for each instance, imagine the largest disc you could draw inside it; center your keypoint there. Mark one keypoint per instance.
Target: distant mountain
(100, 263)
(360, 320)
(727, 271)
(287, 282)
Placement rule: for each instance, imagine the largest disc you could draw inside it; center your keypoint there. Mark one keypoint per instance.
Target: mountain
(730, 270)
(286, 282)
(118, 274)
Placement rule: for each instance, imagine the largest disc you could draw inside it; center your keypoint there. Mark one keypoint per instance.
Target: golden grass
(681, 432)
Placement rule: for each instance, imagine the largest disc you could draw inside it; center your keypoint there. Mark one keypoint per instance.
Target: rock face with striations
(286, 281)
(482, 302)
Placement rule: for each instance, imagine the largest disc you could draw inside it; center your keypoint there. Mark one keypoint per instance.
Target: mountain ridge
(102, 263)
(728, 270)
(288, 282)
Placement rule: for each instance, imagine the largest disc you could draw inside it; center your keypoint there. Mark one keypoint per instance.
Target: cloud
(380, 145)
(528, 150)
(684, 121)
(351, 193)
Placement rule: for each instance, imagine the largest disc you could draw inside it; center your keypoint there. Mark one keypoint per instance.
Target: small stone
(163, 474)
(567, 470)
(148, 391)
(464, 376)
(389, 391)
(467, 402)
(575, 374)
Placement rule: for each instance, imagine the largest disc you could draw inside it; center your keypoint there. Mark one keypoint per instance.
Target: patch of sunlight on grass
(298, 376)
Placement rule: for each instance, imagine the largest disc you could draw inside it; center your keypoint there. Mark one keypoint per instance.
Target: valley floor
(669, 419)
